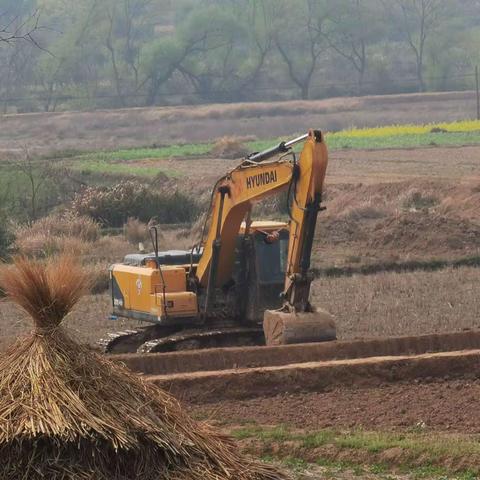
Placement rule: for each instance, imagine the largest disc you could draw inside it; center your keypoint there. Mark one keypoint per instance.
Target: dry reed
(229, 147)
(68, 413)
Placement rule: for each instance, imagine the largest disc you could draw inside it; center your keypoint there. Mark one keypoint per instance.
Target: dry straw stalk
(69, 413)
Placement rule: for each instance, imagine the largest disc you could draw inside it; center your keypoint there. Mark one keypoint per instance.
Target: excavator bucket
(283, 328)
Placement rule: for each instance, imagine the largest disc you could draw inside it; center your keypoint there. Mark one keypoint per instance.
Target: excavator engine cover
(283, 328)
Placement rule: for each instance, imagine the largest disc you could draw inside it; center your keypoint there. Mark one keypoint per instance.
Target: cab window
(271, 258)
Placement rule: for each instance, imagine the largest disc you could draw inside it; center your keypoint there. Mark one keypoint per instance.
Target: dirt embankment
(206, 376)
(234, 358)
(239, 384)
(398, 222)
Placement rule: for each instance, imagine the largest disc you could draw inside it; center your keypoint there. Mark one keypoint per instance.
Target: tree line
(121, 53)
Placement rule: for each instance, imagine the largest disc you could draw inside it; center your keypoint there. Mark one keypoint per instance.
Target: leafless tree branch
(26, 30)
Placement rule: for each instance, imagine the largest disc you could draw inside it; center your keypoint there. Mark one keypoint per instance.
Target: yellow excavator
(246, 282)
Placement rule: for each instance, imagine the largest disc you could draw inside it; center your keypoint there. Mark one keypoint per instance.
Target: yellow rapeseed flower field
(409, 129)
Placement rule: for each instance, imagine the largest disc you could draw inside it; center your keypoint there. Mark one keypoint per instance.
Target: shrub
(112, 206)
(415, 200)
(63, 225)
(57, 234)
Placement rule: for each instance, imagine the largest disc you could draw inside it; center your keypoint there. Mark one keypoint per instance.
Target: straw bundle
(68, 413)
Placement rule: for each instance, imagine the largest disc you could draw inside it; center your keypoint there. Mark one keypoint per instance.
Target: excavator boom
(255, 178)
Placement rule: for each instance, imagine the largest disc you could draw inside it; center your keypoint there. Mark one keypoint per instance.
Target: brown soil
(372, 173)
(382, 206)
(450, 405)
(388, 304)
(413, 233)
(397, 222)
(393, 165)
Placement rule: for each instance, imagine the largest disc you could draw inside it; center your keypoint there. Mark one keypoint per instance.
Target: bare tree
(301, 41)
(259, 17)
(36, 175)
(109, 43)
(417, 20)
(138, 17)
(352, 28)
(14, 29)
(18, 31)
(166, 59)
(127, 23)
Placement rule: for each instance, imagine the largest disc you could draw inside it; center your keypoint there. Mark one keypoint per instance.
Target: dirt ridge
(257, 357)
(240, 384)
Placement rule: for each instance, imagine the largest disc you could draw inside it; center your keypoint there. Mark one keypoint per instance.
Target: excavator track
(120, 342)
(143, 340)
(198, 339)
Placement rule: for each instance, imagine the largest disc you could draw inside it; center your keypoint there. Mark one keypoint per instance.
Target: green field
(128, 155)
(125, 161)
(134, 162)
(114, 168)
(418, 453)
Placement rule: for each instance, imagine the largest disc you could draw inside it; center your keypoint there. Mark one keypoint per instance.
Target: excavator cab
(259, 270)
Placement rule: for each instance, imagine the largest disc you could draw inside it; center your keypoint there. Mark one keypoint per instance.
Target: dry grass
(100, 277)
(66, 224)
(46, 291)
(229, 147)
(67, 413)
(367, 210)
(108, 249)
(136, 231)
(415, 199)
(402, 303)
(49, 132)
(55, 234)
(42, 245)
(79, 237)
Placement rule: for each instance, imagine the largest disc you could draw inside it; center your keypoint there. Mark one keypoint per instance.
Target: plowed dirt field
(450, 405)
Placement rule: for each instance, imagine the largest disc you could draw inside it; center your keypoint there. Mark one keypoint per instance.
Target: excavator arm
(234, 195)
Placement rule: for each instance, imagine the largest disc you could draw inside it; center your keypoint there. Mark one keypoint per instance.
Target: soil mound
(420, 231)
